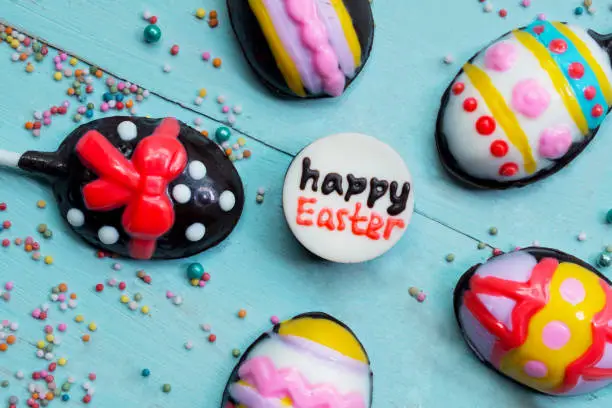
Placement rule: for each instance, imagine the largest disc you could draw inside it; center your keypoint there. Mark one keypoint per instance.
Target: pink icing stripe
(337, 39)
(314, 36)
(261, 373)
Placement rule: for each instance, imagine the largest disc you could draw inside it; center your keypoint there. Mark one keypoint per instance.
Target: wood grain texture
(418, 356)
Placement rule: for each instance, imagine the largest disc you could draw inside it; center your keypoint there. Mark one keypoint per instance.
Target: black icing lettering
(378, 188)
(398, 202)
(332, 182)
(307, 174)
(356, 185)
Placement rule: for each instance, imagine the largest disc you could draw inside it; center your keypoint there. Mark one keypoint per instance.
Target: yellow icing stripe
(283, 60)
(583, 49)
(327, 333)
(349, 30)
(502, 113)
(558, 79)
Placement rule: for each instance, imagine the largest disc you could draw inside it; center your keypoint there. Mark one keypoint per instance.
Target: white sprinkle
(133, 305)
(487, 8)
(225, 145)
(220, 99)
(181, 193)
(112, 104)
(592, 10)
(14, 326)
(237, 109)
(86, 71)
(38, 115)
(19, 375)
(188, 345)
(227, 200)
(72, 303)
(146, 93)
(261, 191)
(535, 243)
(70, 380)
(177, 300)
(86, 385)
(582, 236)
(91, 392)
(196, 170)
(134, 111)
(231, 119)
(195, 232)
(45, 307)
(198, 101)
(49, 356)
(75, 217)
(146, 14)
(63, 307)
(127, 130)
(197, 121)
(108, 235)
(167, 68)
(205, 327)
(57, 340)
(15, 57)
(32, 387)
(448, 59)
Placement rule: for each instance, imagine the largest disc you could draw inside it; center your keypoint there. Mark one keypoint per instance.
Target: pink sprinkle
(61, 297)
(110, 81)
(62, 327)
(133, 88)
(6, 323)
(81, 109)
(57, 59)
(497, 251)
(63, 56)
(112, 282)
(202, 283)
(526, 3)
(275, 320)
(46, 114)
(206, 56)
(46, 122)
(169, 294)
(44, 373)
(421, 297)
(29, 240)
(9, 285)
(36, 313)
(225, 109)
(121, 86)
(59, 66)
(541, 16)
(18, 241)
(104, 107)
(48, 329)
(66, 104)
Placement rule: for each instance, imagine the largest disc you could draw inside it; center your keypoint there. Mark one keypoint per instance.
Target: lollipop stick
(9, 159)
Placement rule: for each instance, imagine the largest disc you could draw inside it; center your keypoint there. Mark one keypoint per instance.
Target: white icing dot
(197, 170)
(75, 217)
(108, 235)
(195, 232)
(227, 200)
(181, 193)
(127, 130)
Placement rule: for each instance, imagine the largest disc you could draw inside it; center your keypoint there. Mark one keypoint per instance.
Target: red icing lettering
(326, 219)
(376, 223)
(356, 219)
(341, 213)
(393, 222)
(302, 201)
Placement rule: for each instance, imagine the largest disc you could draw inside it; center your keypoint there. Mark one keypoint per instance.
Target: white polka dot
(181, 193)
(108, 235)
(75, 217)
(197, 170)
(195, 232)
(227, 200)
(127, 130)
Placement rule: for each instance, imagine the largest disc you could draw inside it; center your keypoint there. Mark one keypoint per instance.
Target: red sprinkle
(206, 277)
(503, 13)
(122, 285)
(153, 20)
(43, 316)
(54, 110)
(36, 375)
(119, 105)
(174, 50)
(87, 399)
(100, 254)
(147, 279)
(99, 287)
(6, 224)
(92, 376)
(3, 206)
(52, 367)
(212, 338)
(6, 242)
(497, 251)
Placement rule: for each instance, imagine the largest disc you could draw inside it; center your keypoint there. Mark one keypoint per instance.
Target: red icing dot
(538, 29)
(576, 70)
(508, 169)
(499, 148)
(558, 46)
(485, 125)
(458, 88)
(597, 111)
(590, 92)
(470, 104)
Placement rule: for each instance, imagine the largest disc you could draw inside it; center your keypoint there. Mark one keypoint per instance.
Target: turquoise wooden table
(417, 354)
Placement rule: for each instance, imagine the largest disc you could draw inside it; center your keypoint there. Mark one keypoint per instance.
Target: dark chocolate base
(259, 56)
(455, 170)
(314, 315)
(463, 285)
(203, 207)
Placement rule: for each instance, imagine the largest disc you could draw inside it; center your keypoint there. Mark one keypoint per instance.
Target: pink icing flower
(530, 98)
(555, 141)
(500, 56)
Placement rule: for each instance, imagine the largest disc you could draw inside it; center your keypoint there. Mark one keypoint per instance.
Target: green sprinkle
(609, 248)
(413, 291)
(113, 88)
(493, 231)
(66, 387)
(166, 388)
(4, 384)
(39, 57)
(236, 353)
(604, 260)
(482, 245)
(41, 228)
(138, 297)
(48, 234)
(450, 258)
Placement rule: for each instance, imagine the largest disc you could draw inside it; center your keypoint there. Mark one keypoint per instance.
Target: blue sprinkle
(89, 113)
(578, 11)
(146, 372)
(65, 397)
(119, 97)
(107, 96)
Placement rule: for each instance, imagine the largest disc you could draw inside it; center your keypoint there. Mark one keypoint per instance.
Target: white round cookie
(342, 221)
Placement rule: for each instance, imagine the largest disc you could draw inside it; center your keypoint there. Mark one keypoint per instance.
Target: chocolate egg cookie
(304, 48)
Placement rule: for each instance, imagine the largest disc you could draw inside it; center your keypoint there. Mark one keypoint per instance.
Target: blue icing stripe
(564, 60)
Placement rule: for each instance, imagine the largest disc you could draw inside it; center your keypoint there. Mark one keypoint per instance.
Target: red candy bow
(139, 184)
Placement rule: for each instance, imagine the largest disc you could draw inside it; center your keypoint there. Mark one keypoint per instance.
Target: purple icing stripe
(335, 33)
(249, 397)
(322, 352)
(288, 33)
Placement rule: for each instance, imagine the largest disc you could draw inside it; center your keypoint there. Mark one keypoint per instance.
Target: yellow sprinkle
(29, 68)
(202, 92)
(73, 61)
(9, 39)
(200, 13)
(241, 141)
(195, 282)
(50, 338)
(144, 309)
(41, 203)
(92, 327)
(48, 259)
(79, 318)
(124, 299)
(57, 76)
(15, 44)
(40, 344)
(62, 361)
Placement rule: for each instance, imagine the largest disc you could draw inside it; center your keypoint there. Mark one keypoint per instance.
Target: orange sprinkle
(228, 151)
(62, 287)
(85, 338)
(23, 56)
(213, 14)
(204, 133)
(213, 22)
(73, 296)
(78, 72)
(28, 248)
(70, 91)
(99, 73)
(35, 396)
(8, 30)
(129, 103)
(29, 125)
(246, 154)
(3, 347)
(217, 62)
(242, 313)
(11, 339)
(49, 396)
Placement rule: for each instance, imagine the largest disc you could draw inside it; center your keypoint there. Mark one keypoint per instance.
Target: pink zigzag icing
(261, 373)
(314, 36)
